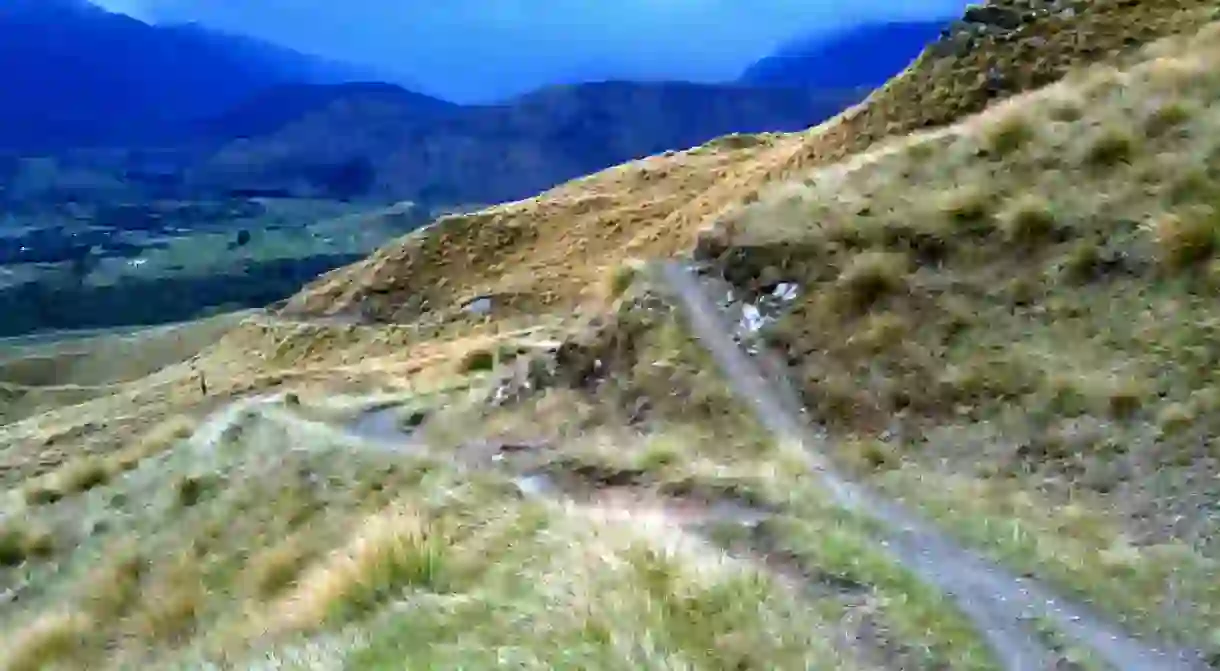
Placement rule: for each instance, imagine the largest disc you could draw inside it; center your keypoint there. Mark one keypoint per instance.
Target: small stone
(478, 306)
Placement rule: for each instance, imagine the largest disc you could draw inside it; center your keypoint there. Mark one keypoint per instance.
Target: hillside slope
(1006, 325)
(553, 249)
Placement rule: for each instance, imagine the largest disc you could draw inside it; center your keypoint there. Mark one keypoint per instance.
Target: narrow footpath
(1002, 605)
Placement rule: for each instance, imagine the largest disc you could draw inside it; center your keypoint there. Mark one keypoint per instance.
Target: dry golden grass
(1185, 239)
(276, 568)
(48, 642)
(85, 472)
(1051, 324)
(393, 550)
(619, 278)
(1032, 270)
(22, 540)
(553, 251)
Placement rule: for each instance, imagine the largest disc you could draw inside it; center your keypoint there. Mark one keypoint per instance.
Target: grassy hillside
(1008, 48)
(554, 248)
(1006, 323)
(1022, 302)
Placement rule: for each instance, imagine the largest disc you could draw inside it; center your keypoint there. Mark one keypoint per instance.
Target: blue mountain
(73, 74)
(861, 57)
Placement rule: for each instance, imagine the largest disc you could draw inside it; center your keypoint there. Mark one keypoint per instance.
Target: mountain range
(419, 148)
(74, 74)
(201, 112)
(862, 56)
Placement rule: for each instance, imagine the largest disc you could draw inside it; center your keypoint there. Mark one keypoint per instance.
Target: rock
(710, 245)
(480, 305)
(992, 15)
(997, 82)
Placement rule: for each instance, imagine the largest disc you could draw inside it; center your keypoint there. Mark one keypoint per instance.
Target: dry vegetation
(1020, 309)
(962, 76)
(551, 252)
(1008, 322)
(295, 542)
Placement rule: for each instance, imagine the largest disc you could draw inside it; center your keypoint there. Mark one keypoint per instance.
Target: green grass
(844, 548)
(1081, 552)
(560, 591)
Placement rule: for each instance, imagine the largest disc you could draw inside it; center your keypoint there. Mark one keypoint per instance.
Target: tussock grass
(1028, 221)
(276, 568)
(574, 587)
(77, 476)
(393, 551)
(1187, 238)
(1009, 135)
(869, 278)
(1065, 313)
(967, 207)
(1112, 146)
(171, 602)
(1168, 116)
(295, 539)
(51, 640)
(23, 540)
(620, 278)
(86, 472)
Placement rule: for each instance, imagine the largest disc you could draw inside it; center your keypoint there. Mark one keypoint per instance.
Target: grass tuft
(477, 361)
(1028, 221)
(871, 276)
(173, 604)
(160, 438)
(275, 569)
(1115, 145)
(1008, 135)
(1176, 417)
(1185, 239)
(77, 476)
(394, 551)
(48, 642)
(967, 208)
(619, 278)
(190, 490)
(1168, 116)
(22, 541)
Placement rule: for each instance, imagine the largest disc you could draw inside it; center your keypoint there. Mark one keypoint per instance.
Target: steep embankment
(553, 249)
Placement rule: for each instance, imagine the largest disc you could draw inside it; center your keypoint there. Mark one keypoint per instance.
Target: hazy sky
(471, 50)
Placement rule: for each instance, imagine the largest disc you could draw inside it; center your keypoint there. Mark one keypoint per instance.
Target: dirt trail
(1000, 603)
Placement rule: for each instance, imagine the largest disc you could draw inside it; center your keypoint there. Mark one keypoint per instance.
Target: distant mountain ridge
(406, 146)
(863, 56)
(74, 74)
(274, 108)
(133, 111)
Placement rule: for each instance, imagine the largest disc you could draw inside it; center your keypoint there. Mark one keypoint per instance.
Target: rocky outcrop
(1004, 21)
